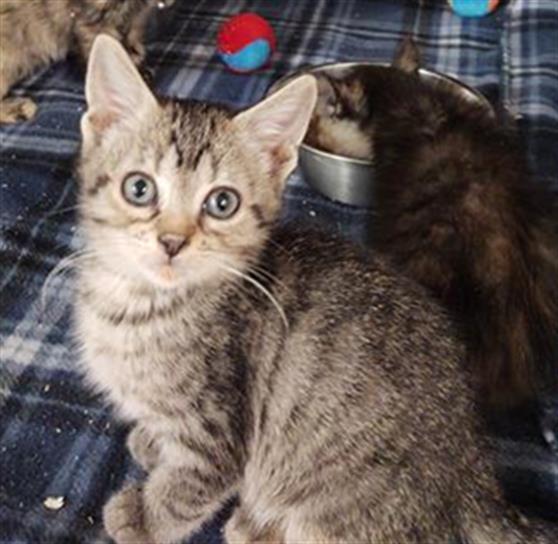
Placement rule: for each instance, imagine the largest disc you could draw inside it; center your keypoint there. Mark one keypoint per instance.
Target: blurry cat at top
(35, 33)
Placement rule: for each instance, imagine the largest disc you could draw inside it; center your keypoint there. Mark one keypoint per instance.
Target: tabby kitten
(34, 33)
(457, 212)
(312, 380)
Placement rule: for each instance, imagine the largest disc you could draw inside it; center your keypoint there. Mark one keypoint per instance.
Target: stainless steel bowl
(345, 179)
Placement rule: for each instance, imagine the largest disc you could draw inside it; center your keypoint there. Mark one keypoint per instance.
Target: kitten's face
(175, 199)
(178, 194)
(343, 120)
(336, 122)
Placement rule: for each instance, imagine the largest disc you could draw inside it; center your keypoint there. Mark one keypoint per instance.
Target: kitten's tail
(478, 236)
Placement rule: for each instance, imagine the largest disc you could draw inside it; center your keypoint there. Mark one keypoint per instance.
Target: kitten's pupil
(139, 190)
(223, 201)
(332, 107)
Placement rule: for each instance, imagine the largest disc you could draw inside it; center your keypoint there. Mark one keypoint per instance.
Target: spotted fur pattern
(353, 421)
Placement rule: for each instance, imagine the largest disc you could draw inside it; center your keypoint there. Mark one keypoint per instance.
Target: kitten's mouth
(168, 273)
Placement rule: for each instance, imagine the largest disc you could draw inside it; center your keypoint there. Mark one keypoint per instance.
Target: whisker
(65, 264)
(62, 210)
(74, 259)
(259, 286)
(280, 248)
(264, 274)
(254, 267)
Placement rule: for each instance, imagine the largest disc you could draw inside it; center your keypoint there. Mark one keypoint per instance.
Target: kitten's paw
(143, 447)
(14, 110)
(238, 530)
(123, 517)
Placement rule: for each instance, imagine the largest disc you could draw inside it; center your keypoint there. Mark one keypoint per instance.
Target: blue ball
(472, 8)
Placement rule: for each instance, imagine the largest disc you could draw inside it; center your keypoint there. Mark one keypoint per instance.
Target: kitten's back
(459, 213)
(370, 373)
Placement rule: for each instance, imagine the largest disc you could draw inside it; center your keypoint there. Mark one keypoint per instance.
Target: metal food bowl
(345, 179)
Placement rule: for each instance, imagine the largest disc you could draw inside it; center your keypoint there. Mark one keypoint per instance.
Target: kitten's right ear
(328, 98)
(407, 57)
(114, 90)
(276, 126)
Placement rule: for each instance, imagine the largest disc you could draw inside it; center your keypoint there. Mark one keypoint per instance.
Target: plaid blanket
(57, 440)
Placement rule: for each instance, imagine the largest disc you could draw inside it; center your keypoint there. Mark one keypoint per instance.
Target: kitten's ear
(114, 90)
(407, 57)
(327, 96)
(276, 126)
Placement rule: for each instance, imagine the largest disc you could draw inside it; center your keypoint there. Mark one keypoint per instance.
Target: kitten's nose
(172, 243)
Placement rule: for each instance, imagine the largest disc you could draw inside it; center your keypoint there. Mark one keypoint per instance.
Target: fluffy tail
(457, 212)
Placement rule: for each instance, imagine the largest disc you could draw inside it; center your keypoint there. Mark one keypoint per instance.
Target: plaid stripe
(56, 438)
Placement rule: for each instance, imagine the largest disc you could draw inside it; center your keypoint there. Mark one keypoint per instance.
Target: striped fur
(352, 422)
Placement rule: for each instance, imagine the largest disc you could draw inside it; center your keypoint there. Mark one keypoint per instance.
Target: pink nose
(172, 243)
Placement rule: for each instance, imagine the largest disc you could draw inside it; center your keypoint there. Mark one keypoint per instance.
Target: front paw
(236, 533)
(123, 517)
(143, 447)
(14, 110)
(239, 530)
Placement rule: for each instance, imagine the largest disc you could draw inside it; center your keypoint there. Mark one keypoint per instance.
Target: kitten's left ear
(114, 90)
(276, 126)
(407, 57)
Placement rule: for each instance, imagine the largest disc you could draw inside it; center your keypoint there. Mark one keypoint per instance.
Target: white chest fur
(129, 360)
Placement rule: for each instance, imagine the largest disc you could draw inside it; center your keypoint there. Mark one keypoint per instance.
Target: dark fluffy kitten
(458, 212)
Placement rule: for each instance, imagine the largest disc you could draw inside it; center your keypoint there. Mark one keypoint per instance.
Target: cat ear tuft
(407, 57)
(114, 90)
(327, 95)
(277, 125)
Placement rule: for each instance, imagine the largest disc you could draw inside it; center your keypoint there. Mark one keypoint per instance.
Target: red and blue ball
(246, 42)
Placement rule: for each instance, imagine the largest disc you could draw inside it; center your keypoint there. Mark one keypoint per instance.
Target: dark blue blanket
(56, 438)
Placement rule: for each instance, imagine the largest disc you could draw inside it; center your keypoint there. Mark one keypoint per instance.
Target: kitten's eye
(139, 189)
(222, 203)
(332, 107)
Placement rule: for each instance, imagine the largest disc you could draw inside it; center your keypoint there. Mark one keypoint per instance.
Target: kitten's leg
(123, 517)
(143, 447)
(134, 39)
(306, 533)
(173, 503)
(239, 530)
(86, 35)
(133, 45)
(14, 110)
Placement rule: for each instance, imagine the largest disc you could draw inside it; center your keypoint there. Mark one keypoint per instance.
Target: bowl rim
(472, 92)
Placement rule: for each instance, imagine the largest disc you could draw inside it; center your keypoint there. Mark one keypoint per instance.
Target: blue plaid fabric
(56, 438)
